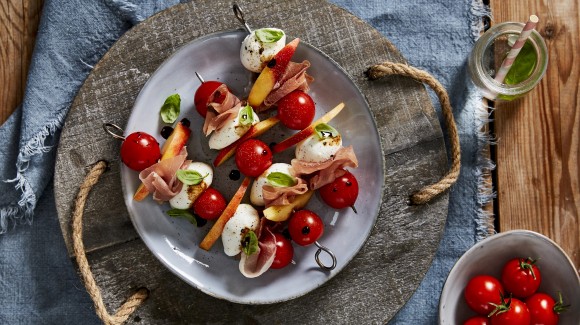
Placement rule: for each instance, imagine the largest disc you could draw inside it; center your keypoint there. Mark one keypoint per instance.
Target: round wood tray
(389, 267)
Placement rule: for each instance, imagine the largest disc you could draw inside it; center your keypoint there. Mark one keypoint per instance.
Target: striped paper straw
(513, 53)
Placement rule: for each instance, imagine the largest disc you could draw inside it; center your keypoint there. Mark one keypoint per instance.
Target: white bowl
(489, 256)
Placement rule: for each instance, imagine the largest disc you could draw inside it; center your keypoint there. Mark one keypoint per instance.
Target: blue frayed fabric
(38, 282)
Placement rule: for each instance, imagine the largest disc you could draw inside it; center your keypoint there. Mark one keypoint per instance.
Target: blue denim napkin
(38, 283)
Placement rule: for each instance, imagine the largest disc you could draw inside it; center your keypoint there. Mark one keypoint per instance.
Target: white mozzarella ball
(186, 197)
(313, 149)
(230, 132)
(256, 196)
(255, 54)
(245, 217)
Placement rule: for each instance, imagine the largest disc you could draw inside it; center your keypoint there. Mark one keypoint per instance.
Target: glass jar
(488, 54)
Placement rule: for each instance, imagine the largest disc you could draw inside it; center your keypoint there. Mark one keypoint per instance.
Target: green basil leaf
(250, 243)
(279, 179)
(523, 65)
(246, 115)
(189, 177)
(170, 109)
(324, 130)
(183, 214)
(269, 35)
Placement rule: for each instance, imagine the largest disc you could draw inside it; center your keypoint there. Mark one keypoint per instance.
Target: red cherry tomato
(203, 93)
(253, 157)
(284, 252)
(341, 193)
(521, 277)
(305, 227)
(296, 110)
(481, 292)
(210, 204)
(543, 309)
(139, 151)
(478, 320)
(516, 313)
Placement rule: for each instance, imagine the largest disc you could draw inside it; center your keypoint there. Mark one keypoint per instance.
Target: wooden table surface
(537, 178)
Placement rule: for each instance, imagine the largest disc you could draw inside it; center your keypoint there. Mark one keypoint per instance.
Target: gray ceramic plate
(175, 242)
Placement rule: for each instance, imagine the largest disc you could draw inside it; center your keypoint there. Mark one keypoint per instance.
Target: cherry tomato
(203, 93)
(341, 193)
(521, 277)
(513, 312)
(210, 204)
(284, 252)
(139, 151)
(296, 110)
(253, 157)
(305, 227)
(477, 320)
(481, 292)
(543, 309)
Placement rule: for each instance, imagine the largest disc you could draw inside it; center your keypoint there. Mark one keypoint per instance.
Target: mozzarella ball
(189, 193)
(230, 132)
(313, 149)
(255, 54)
(245, 217)
(256, 196)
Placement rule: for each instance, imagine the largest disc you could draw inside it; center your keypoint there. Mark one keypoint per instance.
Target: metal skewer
(327, 251)
(199, 77)
(240, 15)
(108, 126)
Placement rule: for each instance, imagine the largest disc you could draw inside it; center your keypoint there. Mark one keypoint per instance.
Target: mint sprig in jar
(490, 51)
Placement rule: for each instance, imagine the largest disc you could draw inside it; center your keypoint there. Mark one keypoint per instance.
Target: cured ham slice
(160, 178)
(256, 264)
(322, 173)
(276, 195)
(220, 113)
(294, 78)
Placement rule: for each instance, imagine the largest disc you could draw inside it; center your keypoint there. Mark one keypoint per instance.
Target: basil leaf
(170, 110)
(183, 214)
(246, 115)
(523, 65)
(250, 243)
(269, 35)
(279, 179)
(324, 130)
(189, 177)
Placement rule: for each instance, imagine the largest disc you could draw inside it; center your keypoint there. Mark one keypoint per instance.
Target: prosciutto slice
(294, 78)
(220, 113)
(256, 264)
(275, 195)
(160, 178)
(322, 173)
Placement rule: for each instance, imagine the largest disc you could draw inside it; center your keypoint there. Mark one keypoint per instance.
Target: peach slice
(171, 148)
(281, 213)
(271, 74)
(305, 133)
(255, 131)
(218, 227)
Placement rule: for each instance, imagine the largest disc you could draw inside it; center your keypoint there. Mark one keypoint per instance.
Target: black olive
(166, 131)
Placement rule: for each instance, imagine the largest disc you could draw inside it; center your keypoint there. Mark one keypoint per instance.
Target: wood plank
(18, 26)
(539, 136)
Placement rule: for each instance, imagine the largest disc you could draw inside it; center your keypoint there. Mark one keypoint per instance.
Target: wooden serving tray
(389, 267)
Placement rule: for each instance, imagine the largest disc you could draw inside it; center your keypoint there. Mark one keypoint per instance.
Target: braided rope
(129, 306)
(389, 69)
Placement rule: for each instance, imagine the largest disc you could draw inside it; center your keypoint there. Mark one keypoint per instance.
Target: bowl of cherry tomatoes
(515, 277)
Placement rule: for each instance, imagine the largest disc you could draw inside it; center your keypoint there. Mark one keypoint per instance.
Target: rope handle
(429, 192)
(134, 301)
